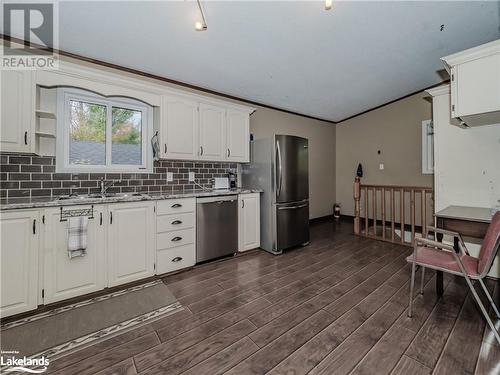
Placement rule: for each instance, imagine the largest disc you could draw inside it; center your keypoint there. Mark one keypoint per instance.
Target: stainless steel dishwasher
(216, 227)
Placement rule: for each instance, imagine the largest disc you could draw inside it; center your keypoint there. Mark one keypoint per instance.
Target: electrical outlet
(170, 176)
(381, 166)
(191, 176)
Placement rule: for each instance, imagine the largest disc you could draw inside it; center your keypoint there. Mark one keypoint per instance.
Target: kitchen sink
(99, 196)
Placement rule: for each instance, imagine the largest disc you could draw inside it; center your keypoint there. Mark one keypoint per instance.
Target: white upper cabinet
(17, 111)
(179, 133)
(212, 127)
(237, 136)
(192, 130)
(19, 261)
(475, 84)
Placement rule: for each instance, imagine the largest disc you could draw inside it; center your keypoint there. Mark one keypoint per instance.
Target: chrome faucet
(104, 186)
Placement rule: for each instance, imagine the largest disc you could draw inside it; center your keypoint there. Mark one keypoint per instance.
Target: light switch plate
(191, 176)
(170, 176)
(381, 166)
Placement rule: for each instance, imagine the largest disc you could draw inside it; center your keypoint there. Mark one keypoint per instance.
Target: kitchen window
(97, 133)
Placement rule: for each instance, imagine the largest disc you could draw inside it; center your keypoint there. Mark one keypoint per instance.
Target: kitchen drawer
(175, 206)
(169, 260)
(167, 223)
(174, 239)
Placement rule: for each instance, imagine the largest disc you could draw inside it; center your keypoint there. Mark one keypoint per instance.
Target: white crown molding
(440, 90)
(470, 54)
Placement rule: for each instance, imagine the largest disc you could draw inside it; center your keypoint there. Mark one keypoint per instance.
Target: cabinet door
(179, 128)
(249, 221)
(17, 111)
(477, 85)
(64, 277)
(19, 261)
(237, 136)
(131, 247)
(212, 142)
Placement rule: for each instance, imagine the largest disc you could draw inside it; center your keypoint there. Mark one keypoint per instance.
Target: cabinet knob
(177, 259)
(176, 239)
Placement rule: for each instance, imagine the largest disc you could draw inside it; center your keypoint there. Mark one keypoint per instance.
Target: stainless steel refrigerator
(280, 167)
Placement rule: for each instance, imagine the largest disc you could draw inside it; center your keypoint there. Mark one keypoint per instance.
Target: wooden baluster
(374, 211)
(366, 211)
(413, 219)
(402, 218)
(357, 195)
(393, 213)
(423, 211)
(383, 213)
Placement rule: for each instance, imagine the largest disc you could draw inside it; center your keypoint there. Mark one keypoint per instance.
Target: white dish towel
(77, 236)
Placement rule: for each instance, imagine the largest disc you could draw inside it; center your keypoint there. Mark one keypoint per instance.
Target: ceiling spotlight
(200, 25)
(328, 4)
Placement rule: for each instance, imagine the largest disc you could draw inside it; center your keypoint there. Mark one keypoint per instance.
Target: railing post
(357, 213)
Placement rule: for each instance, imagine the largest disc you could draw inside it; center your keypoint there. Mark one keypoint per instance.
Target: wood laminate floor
(337, 306)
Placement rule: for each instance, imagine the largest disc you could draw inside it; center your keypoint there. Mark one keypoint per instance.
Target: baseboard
(331, 218)
(321, 219)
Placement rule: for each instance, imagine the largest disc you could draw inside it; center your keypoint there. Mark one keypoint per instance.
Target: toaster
(221, 183)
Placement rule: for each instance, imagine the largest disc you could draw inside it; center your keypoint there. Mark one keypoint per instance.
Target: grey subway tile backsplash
(30, 175)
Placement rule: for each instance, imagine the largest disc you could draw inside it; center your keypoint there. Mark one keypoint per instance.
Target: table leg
(439, 274)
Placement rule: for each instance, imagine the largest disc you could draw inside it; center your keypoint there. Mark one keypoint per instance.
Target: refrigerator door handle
(292, 207)
(280, 170)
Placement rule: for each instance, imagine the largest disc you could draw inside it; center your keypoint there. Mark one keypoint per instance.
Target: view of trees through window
(88, 122)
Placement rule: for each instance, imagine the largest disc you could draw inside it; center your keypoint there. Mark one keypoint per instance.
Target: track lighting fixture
(200, 25)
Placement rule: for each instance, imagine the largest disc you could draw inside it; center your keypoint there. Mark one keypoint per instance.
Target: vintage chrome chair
(442, 257)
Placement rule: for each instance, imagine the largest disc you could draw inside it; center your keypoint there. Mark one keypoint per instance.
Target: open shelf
(45, 134)
(45, 114)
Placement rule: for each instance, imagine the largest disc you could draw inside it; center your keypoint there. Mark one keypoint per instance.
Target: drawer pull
(176, 222)
(175, 239)
(177, 205)
(177, 259)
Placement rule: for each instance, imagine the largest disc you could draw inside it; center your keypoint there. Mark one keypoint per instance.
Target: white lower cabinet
(64, 277)
(176, 234)
(124, 242)
(20, 232)
(248, 221)
(131, 245)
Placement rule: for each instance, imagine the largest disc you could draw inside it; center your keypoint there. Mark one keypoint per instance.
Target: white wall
(467, 164)
(467, 161)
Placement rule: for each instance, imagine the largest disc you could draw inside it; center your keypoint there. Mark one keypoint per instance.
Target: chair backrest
(490, 245)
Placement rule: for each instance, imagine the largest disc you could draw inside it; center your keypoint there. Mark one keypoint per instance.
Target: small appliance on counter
(232, 180)
(221, 183)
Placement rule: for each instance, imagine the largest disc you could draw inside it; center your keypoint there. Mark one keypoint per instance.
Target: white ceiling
(291, 55)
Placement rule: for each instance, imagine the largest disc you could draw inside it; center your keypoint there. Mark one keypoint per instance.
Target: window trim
(64, 95)
(427, 147)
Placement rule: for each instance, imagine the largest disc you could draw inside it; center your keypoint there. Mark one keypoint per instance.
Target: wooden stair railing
(391, 212)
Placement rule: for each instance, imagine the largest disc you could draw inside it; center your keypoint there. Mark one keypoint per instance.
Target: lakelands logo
(31, 35)
(9, 363)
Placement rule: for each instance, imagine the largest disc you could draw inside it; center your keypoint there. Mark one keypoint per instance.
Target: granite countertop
(42, 202)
